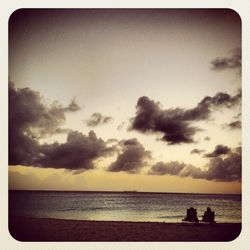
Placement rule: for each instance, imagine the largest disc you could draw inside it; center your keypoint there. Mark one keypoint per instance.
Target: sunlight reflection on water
(122, 206)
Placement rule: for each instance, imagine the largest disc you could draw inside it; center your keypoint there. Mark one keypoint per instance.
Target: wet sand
(34, 229)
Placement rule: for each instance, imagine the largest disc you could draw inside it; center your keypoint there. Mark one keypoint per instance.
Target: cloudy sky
(146, 100)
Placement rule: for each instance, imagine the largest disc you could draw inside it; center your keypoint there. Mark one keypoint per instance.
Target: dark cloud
(30, 120)
(197, 151)
(218, 169)
(234, 125)
(171, 168)
(228, 169)
(150, 118)
(98, 119)
(132, 157)
(73, 106)
(175, 124)
(78, 152)
(219, 150)
(207, 138)
(231, 62)
(28, 113)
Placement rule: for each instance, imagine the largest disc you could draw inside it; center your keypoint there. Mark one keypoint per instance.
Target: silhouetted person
(191, 215)
(208, 216)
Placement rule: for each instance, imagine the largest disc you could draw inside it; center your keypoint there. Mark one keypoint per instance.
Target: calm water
(122, 206)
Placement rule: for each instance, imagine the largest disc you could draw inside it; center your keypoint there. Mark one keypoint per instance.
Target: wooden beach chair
(191, 216)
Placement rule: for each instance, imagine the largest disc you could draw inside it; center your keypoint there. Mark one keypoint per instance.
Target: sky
(125, 99)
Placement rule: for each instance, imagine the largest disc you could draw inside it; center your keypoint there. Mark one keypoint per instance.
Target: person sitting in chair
(208, 216)
(191, 215)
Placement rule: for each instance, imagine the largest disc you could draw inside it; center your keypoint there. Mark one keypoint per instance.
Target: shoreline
(50, 229)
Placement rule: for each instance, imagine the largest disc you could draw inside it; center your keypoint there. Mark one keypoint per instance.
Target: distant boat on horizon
(129, 191)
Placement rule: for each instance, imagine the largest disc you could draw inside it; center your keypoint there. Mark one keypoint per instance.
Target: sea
(122, 206)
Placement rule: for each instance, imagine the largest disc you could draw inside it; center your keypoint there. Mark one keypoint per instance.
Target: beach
(45, 229)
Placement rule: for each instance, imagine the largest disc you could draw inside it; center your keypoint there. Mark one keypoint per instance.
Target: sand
(36, 229)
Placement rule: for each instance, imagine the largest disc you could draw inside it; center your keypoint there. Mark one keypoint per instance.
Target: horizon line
(121, 191)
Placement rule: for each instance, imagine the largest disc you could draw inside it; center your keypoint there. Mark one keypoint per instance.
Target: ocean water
(122, 206)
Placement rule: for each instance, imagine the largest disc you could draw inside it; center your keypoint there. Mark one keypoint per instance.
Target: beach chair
(208, 216)
(191, 216)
